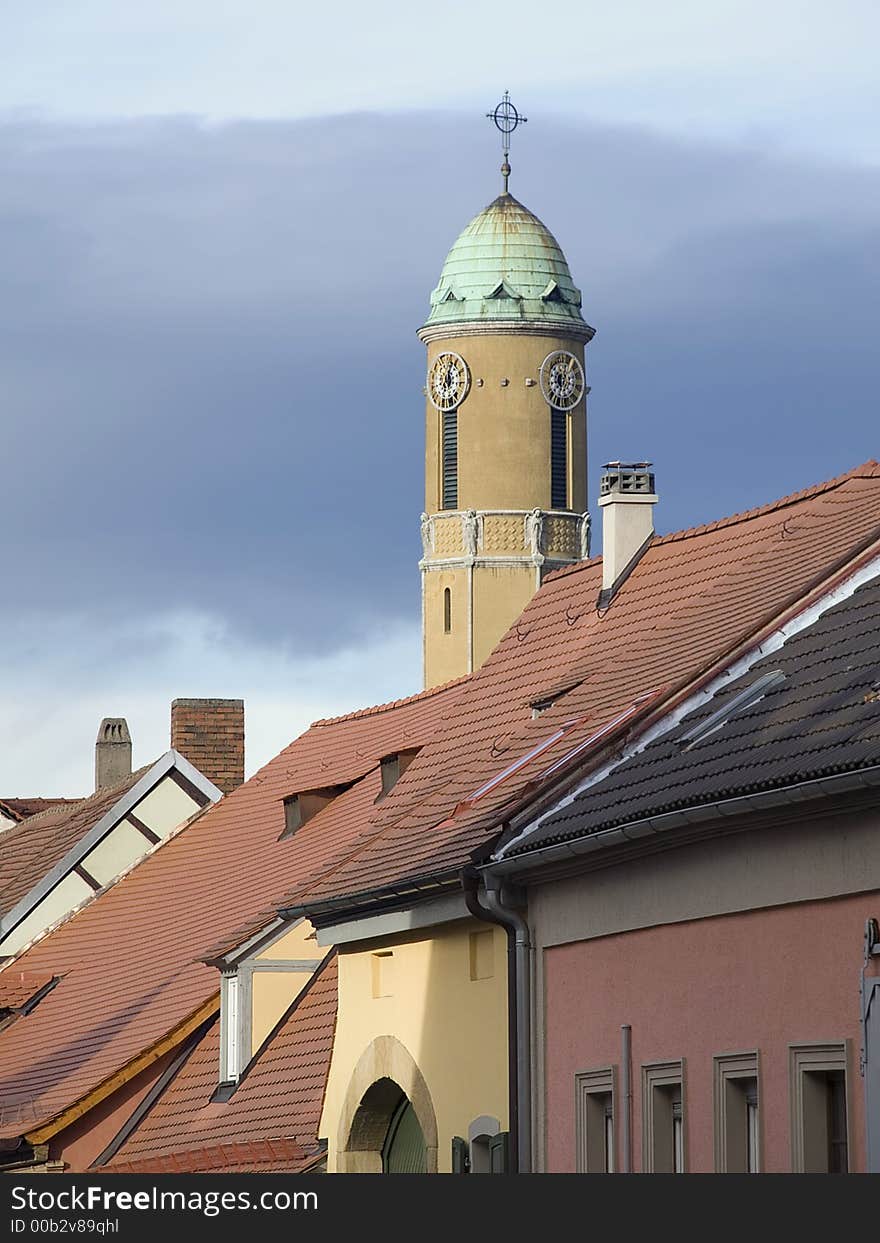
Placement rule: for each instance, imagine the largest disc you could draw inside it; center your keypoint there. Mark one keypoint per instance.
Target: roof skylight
(746, 698)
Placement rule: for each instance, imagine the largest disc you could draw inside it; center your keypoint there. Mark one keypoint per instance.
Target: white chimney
(627, 499)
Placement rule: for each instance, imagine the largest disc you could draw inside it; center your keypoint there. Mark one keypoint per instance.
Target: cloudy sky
(220, 225)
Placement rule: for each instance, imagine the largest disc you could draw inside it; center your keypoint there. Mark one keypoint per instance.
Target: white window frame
(231, 1034)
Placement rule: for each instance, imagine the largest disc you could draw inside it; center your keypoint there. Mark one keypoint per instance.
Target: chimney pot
(627, 499)
(210, 734)
(112, 752)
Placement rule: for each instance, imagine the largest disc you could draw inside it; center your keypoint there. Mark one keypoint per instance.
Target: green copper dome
(506, 267)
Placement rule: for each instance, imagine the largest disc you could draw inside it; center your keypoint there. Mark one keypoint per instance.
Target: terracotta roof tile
(691, 601)
(687, 605)
(20, 808)
(129, 960)
(18, 987)
(278, 1101)
(31, 849)
(280, 1156)
(822, 718)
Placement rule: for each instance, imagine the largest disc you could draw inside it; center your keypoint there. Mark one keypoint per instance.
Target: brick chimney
(627, 499)
(210, 734)
(112, 752)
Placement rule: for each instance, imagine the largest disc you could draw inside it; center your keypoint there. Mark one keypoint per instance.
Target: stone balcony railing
(537, 534)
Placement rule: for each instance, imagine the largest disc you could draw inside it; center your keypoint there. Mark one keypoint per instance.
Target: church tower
(506, 430)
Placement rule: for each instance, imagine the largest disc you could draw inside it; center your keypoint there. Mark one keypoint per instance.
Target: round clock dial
(448, 381)
(562, 380)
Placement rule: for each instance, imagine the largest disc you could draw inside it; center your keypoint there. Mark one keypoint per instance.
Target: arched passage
(387, 1121)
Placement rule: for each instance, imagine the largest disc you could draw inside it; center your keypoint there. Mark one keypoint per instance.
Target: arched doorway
(386, 1136)
(387, 1123)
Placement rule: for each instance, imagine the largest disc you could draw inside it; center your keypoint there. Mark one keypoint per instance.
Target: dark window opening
(664, 1118)
(837, 1146)
(300, 808)
(292, 815)
(450, 459)
(819, 1108)
(447, 610)
(558, 459)
(393, 767)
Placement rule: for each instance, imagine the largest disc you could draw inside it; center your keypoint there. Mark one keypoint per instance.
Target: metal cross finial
(506, 119)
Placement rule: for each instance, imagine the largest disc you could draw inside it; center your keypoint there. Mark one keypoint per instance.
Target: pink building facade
(758, 986)
(704, 919)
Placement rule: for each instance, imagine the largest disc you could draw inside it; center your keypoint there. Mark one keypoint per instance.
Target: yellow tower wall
(504, 443)
(446, 655)
(500, 595)
(504, 429)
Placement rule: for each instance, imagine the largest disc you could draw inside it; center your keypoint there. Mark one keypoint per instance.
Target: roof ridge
(574, 568)
(865, 470)
(869, 469)
(375, 709)
(75, 804)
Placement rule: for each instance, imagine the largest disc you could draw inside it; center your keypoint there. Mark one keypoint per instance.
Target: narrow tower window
(558, 459)
(450, 459)
(447, 610)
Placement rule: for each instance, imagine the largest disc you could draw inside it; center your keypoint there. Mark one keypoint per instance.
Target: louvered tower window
(450, 459)
(558, 459)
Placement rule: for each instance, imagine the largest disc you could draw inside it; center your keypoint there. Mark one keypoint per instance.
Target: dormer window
(393, 767)
(300, 808)
(259, 979)
(546, 700)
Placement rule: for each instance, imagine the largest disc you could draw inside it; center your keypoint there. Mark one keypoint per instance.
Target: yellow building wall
(444, 998)
(298, 942)
(504, 429)
(272, 992)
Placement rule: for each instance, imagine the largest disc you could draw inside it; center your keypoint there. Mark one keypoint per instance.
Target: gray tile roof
(822, 719)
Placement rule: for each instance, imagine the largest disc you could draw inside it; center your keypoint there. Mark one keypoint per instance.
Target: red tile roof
(694, 597)
(20, 808)
(273, 1156)
(129, 960)
(18, 987)
(31, 849)
(277, 1102)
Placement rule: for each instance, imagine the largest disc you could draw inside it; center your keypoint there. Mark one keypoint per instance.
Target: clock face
(448, 381)
(562, 380)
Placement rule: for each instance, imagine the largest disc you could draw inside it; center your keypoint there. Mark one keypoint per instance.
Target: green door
(404, 1149)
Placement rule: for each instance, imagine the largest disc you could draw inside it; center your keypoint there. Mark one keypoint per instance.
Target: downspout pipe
(489, 905)
(627, 1094)
(471, 886)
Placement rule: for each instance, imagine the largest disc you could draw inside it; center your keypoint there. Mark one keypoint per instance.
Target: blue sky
(221, 225)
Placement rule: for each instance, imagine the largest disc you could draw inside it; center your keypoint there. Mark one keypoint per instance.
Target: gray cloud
(211, 384)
